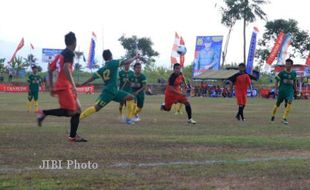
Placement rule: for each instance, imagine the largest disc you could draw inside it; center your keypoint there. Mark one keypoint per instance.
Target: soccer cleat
(191, 121)
(130, 121)
(77, 138)
(162, 107)
(272, 119)
(284, 121)
(136, 118)
(238, 117)
(40, 117)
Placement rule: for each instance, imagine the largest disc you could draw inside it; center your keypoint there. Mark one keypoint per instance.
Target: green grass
(160, 137)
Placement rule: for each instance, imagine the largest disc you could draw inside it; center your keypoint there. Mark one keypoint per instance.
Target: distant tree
(300, 39)
(229, 22)
(30, 60)
(18, 64)
(144, 44)
(246, 10)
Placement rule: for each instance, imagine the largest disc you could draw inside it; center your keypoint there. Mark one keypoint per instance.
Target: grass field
(160, 152)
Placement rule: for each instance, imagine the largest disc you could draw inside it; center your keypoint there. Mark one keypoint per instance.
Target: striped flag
(308, 60)
(275, 48)
(174, 53)
(20, 46)
(250, 60)
(182, 57)
(283, 50)
(91, 52)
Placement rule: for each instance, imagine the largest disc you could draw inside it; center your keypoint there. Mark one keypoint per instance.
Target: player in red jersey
(242, 81)
(64, 88)
(173, 93)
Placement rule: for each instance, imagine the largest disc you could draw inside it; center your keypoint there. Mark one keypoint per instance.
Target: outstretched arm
(91, 79)
(130, 60)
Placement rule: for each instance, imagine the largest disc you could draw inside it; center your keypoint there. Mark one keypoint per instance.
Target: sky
(44, 24)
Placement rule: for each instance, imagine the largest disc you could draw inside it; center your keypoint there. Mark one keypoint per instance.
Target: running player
(173, 93)
(287, 87)
(65, 89)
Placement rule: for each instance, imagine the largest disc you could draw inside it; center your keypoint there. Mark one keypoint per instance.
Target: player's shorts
(108, 95)
(140, 100)
(241, 99)
(170, 99)
(285, 95)
(66, 99)
(33, 94)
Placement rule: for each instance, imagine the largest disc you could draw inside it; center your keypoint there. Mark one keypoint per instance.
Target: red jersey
(241, 81)
(62, 82)
(175, 80)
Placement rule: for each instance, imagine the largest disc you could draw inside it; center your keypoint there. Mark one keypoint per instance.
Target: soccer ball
(181, 50)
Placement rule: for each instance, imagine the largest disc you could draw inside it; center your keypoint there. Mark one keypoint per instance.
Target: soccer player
(138, 84)
(110, 91)
(173, 93)
(65, 89)
(35, 82)
(287, 80)
(124, 76)
(241, 81)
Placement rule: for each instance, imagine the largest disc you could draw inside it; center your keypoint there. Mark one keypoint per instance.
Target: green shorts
(285, 95)
(108, 95)
(33, 94)
(140, 100)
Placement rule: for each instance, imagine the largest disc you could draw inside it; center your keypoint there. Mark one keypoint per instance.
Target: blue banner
(91, 53)
(250, 60)
(48, 54)
(207, 54)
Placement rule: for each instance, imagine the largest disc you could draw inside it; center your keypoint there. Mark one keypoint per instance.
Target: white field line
(206, 162)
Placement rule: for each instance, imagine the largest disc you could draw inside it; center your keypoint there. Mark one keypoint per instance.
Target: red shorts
(66, 99)
(171, 99)
(241, 99)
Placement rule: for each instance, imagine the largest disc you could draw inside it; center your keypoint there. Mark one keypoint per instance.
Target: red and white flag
(174, 53)
(308, 60)
(276, 48)
(182, 57)
(20, 46)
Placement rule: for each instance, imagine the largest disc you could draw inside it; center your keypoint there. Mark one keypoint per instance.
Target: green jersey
(137, 81)
(124, 77)
(34, 81)
(286, 80)
(109, 74)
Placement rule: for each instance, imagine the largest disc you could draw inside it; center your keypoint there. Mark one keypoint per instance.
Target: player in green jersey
(286, 80)
(35, 82)
(110, 91)
(138, 84)
(124, 76)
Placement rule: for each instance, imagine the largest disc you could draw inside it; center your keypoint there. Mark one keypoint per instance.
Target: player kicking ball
(110, 91)
(65, 89)
(287, 80)
(241, 81)
(173, 93)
